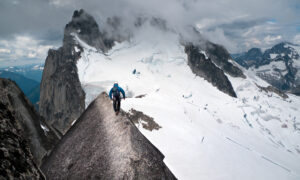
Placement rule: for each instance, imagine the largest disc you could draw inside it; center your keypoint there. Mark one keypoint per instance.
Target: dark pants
(117, 103)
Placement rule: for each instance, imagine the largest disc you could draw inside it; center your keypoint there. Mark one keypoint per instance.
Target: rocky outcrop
(101, 145)
(61, 95)
(204, 67)
(62, 99)
(16, 159)
(273, 90)
(40, 142)
(87, 29)
(138, 117)
(220, 56)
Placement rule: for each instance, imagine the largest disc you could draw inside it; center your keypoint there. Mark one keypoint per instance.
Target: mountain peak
(86, 28)
(77, 13)
(255, 51)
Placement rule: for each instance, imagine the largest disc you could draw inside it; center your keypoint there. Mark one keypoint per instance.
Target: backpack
(116, 92)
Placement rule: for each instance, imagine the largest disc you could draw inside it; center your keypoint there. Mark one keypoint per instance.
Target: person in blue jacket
(114, 94)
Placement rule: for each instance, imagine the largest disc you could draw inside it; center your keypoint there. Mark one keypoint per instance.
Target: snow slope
(205, 133)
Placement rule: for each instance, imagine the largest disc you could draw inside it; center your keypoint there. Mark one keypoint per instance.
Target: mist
(237, 25)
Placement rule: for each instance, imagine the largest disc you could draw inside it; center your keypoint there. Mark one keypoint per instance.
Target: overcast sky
(30, 27)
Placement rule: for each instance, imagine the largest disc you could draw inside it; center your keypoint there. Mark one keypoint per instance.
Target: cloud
(238, 25)
(217, 36)
(31, 55)
(23, 49)
(36, 17)
(5, 51)
(296, 39)
(272, 39)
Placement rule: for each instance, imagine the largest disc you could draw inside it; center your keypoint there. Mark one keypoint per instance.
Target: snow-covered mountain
(279, 65)
(205, 133)
(215, 121)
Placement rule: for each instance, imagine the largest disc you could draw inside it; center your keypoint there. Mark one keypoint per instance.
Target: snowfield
(205, 133)
(276, 69)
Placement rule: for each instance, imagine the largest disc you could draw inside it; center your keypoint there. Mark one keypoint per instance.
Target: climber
(114, 94)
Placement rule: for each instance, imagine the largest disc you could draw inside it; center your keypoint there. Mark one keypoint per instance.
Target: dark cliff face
(220, 56)
(16, 159)
(87, 29)
(101, 145)
(208, 70)
(30, 122)
(62, 98)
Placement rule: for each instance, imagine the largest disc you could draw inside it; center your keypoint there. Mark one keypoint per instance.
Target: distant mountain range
(279, 65)
(27, 78)
(32, 71)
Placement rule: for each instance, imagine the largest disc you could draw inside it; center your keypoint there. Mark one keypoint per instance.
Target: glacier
(205, 133)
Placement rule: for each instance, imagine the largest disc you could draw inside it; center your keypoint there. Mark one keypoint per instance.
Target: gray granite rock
(101, 145)
(87, 29)
(40, 142)
(16, 159)
(61, 96)
(204, 67)
(220, 56)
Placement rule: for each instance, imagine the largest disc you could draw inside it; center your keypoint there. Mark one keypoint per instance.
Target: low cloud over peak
(238, 25)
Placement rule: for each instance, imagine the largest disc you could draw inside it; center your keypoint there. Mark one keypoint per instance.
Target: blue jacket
(119, 90)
